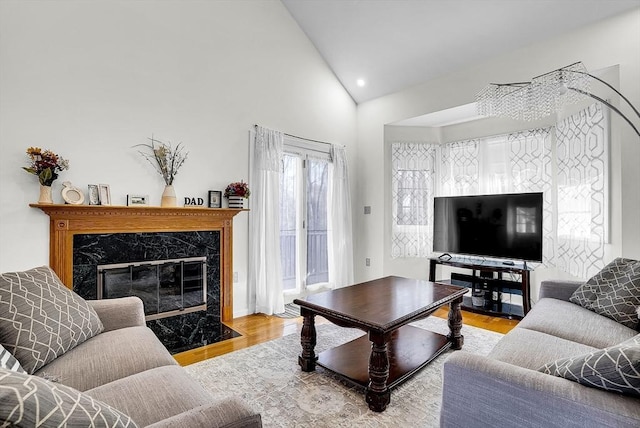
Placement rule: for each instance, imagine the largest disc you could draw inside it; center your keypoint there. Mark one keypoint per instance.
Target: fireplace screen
(166, 287)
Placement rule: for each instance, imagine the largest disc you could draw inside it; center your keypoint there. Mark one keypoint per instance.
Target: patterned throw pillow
(614, 292)
(7, 361)
(40, 318)
(616, 368)
(30, 401)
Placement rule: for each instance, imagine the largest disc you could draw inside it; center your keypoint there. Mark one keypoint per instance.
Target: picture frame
(105, 194)
(215, 199)
(137, 200)
(94, 194)
(71, 194)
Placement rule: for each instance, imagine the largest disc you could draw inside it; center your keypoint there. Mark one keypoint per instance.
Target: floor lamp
(545, 95)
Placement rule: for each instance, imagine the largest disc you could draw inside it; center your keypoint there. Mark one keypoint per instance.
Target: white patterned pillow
(616, 368)
(8, 361)
(614, 292)
(30, 401)
(40, 318)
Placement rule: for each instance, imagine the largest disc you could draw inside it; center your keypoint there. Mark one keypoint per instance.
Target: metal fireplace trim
(202, 307)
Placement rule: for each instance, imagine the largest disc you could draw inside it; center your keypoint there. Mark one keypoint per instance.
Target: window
(412, 197)
(317, 175)
(582, 142)
(413, 186)
(304, 190)
(289, 218)
(574, 204)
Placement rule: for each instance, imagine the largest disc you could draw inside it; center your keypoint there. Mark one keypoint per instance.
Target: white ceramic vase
(169, 197)
(45, 195)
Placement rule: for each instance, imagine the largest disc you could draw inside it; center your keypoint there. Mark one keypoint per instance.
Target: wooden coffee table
(392, 351)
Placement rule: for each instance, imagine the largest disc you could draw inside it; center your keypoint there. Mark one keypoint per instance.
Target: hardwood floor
(259, 328)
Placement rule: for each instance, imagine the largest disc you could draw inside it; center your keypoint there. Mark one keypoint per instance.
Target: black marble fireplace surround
(180, 332)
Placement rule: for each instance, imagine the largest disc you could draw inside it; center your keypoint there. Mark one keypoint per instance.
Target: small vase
(236, 202)
(45, 195)
(168, 197)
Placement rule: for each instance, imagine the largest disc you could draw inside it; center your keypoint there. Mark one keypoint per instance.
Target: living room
(91, 80)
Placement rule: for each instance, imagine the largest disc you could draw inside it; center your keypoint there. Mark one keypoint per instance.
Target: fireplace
(84, 237)
(158, 256)
(166, 287)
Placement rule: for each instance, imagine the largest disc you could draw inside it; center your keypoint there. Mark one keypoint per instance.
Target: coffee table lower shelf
(410, 349)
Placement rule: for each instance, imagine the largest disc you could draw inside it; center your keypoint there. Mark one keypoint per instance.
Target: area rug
(268, 378)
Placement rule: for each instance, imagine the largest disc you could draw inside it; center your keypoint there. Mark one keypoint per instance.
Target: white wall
(611, 42)
(89, 80)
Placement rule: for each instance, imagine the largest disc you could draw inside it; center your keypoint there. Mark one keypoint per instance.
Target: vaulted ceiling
(395, 44)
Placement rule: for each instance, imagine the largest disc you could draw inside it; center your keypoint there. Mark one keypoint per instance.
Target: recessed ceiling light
(360, 82)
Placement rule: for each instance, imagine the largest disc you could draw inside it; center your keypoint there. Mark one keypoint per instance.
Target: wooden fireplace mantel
(69, 220)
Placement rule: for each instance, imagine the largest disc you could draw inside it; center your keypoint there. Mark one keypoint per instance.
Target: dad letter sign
(193, 202)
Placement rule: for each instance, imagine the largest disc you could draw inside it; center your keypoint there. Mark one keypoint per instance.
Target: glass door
(304, 183)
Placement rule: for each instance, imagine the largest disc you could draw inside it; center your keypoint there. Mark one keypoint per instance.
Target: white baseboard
(242, 313)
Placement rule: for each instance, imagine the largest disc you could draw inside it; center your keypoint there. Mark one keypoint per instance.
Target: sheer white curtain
(518, 162)
(531, 170)
(459, 168)
(582, 160)
(340, 222)
(265, 271)
(413, 171)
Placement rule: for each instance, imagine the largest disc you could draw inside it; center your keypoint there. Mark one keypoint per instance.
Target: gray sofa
(505, 388)
(128, 368)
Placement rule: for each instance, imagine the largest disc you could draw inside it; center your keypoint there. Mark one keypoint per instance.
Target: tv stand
(487, 285)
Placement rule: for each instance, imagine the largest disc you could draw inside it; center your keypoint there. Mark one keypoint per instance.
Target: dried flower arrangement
(164, 158)
(237, 189)
(45, 164)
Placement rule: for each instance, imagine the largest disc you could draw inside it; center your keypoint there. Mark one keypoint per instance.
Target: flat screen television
(505, 226)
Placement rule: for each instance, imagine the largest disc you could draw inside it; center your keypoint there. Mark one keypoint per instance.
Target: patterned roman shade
(616, 368)
(40, 318)
(614, 292)
(30, 401)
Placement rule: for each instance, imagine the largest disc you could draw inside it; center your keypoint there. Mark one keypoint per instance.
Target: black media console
(488, 285)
